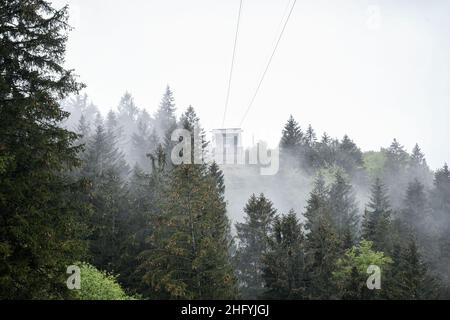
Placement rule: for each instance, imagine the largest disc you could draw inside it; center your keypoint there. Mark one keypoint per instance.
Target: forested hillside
(78, 187)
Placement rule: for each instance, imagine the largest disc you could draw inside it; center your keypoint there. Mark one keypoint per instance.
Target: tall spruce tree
(349, 156)
(291, 144)
(409, 277)
(325, 152)
(440, 195)
(253, 235)
(146, 197)
(418, 167)
(376, 225)
(284, 263)
(416, 208)
(189, 250)
(40, 224)
(292, 135)
(106, 169)
(344, 210)
(311, 157)
(144, 141)
(440, 203)
(165, 120)
(395, 172)
(321, 244)
(190, 122)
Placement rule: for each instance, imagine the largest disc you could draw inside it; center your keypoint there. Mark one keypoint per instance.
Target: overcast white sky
(372, 69)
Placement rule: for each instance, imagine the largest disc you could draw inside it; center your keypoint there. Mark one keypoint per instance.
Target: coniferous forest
(99, 191)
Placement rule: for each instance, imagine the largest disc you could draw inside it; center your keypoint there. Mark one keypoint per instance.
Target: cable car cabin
(227, 146)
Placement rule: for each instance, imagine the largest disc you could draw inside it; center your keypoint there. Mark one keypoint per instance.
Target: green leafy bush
(99, 285)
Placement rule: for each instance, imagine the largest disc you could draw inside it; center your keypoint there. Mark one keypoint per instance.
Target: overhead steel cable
(268, 65)
(227, 99)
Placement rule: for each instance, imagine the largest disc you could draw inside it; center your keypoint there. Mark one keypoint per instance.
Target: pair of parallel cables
(284, 23)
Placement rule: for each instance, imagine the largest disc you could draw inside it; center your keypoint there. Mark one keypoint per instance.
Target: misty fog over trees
(78, 187)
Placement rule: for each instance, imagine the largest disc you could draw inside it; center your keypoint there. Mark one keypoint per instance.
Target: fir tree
(418, 167)
(310, 136)
(190, 122)
(146, 193)
(253, 235)
(292, 135)
(325, 153)
(144, 141)
(344, 210)
(102, 155)
(218, 177)
(84, 130)
(349, 156)
(165, 120)
(291, 143)
(127, 108)
(310, 157)
(395, 174)
(440, 203)
(416, 207)
(284, 263)
(417, 156)
(189, 250)
(40, 228)
(376, 225)
(410, 278)
(440, 194)
(105, 168)
(321, 245)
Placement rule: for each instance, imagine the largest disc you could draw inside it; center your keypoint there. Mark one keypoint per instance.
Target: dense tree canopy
(101, 191)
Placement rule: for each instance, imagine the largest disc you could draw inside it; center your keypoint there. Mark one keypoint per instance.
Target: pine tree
(440, 195)
(416, 215)
(41, 227)
(127, 108)
(318, 203)
(376, 225)
(440, 203)
(144, 141)
(417, 157)
(103, 155)
(189, 257)
(410, 278)
(284, 265)
(84, 130)
(321, 245)
(291, 144)
(190, 122)
(395, 172)
(165, 120)
(189, 250)
(344, 210)
(311, 157)
(218, 177)
(252, 236)
(146, 193)
(416, 207)
(292, 135)
(78, 106)
(109, 200)
(349, 156)
(418, 167)
(106, 169)
(114, 130)
(310, 136)
(325, 153)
